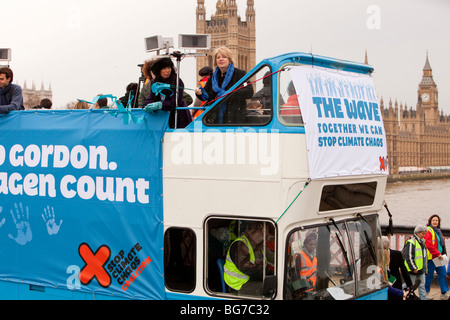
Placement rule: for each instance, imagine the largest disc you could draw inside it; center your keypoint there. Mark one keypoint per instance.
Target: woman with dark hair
(164, 72)
(434, 241)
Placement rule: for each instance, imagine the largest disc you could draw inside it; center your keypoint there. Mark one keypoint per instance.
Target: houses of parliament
(417, 137)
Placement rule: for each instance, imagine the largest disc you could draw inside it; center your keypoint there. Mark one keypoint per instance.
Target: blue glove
(151, 107)
(204, 94)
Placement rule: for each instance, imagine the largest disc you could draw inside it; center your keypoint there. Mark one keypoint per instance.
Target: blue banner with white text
(81, 201)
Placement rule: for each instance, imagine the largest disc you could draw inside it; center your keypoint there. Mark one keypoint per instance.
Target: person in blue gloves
(166, 80)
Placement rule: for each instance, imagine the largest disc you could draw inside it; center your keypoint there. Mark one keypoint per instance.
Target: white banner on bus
(343, 122)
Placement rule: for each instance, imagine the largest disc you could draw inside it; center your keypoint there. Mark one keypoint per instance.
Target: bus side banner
(81, 202)
(343, 122)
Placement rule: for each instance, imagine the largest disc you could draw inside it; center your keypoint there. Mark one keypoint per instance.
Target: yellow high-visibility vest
(418, 255)
(433, 241)
(232, 275)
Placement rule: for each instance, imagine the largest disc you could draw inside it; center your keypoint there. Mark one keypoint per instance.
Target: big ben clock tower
(428, 95)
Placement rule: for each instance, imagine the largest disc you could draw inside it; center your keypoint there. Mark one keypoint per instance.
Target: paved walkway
(435, 291)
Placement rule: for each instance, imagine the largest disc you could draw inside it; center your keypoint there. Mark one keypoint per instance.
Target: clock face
(425, 97)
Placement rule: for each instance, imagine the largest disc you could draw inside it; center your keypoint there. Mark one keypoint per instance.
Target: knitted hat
(161, 64)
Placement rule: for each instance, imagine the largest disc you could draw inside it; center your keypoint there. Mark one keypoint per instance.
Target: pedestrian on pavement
(437, 256)
(415, 255)
(397, 268)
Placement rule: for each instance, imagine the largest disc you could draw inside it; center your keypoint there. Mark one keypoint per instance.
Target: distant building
(32, 97)
(228, 29)
(418, 138)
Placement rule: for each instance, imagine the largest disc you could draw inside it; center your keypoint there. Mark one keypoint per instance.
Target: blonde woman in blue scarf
(233, 108)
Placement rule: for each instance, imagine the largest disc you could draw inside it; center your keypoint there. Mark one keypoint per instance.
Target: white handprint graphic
(50, 221)
(20, 219)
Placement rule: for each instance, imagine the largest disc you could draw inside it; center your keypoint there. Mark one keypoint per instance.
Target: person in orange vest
(205, 73)
(306, 262)
(290, 107)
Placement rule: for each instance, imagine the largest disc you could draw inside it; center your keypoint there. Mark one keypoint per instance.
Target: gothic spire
(427, 66)
(427, 78)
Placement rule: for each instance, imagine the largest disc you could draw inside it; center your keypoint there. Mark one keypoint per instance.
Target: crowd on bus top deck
(213, 84)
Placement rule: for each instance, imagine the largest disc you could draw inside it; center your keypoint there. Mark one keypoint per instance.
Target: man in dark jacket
(415, 255)
(10, 94)
(397, 268)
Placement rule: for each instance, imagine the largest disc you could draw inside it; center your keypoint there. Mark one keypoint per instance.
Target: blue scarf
(221, 90)
(4, 95)
(440, 238)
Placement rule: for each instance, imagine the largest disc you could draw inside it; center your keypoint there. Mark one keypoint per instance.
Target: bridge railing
(402, 233)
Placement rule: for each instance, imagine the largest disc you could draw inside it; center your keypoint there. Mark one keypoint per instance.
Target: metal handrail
(402, 233)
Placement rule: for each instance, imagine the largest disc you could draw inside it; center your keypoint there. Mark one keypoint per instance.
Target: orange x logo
(95, 263)
(382, 164)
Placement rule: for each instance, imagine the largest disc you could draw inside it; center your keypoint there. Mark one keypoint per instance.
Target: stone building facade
(228, 29)
(32, 97)
(417, 137)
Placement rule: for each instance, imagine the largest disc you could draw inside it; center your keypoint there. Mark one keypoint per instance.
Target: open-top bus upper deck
(115, 204)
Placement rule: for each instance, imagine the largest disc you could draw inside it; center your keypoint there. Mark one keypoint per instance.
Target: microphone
(415, 285)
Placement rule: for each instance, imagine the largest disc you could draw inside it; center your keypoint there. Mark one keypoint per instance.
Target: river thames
(413, 202)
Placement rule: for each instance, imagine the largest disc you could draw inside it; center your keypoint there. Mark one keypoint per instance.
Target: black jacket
(236, 101)
(398, 270)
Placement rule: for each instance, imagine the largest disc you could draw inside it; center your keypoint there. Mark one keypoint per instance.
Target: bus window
(343, 196)
(289, 107)
(368, 256)
(179, 259)
(334, 261)
(249, 105)
(240, 257)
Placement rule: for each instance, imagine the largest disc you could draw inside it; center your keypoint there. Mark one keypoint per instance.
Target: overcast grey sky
(86, 47)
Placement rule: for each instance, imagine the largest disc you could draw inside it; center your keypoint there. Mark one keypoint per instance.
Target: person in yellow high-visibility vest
(244, 262)
(415, 256)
